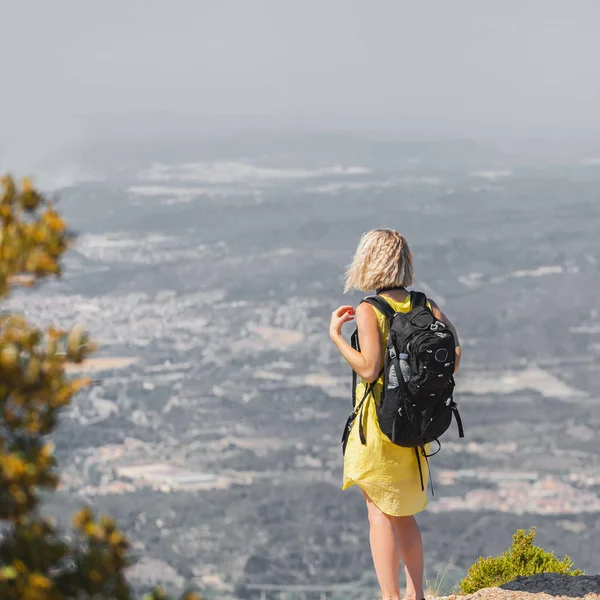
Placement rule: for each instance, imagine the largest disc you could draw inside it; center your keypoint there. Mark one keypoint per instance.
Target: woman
(386, 473)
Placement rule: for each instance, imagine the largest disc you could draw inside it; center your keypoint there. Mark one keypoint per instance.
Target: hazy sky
(458, 66)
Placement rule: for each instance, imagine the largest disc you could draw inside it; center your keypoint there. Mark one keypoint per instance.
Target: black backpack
(417, 402)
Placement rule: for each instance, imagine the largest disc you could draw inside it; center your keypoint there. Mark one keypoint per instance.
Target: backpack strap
(356, 346)
(386, 309)
(421, 451)
(454, 407)
(381, 304)
(416, 449)
(417, 299)
(368, 390)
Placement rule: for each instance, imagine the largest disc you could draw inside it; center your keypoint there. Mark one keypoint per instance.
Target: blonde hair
(382, 259)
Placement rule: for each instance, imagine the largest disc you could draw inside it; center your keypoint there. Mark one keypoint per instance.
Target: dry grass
(434, 588)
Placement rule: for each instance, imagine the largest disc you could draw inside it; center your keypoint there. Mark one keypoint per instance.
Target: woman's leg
(385, 551)
(411, 551)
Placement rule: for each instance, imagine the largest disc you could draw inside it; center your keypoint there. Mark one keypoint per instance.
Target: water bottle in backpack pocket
(404, 366)
(392, 378)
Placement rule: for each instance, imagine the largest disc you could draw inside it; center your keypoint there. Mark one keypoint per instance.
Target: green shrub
(523, 558)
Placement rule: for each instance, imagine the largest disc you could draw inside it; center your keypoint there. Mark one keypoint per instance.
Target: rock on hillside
(545, 586)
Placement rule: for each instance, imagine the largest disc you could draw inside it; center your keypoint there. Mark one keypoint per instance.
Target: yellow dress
(386, 472)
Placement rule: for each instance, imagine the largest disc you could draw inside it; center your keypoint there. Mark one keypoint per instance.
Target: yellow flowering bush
(36, 562)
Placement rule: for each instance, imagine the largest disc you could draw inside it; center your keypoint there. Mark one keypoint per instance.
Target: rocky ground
(545, 586)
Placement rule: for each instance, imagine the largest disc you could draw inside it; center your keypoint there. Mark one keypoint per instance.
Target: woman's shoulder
(366, 308)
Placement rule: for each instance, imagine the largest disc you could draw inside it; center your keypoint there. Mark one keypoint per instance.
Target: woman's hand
(338, 317)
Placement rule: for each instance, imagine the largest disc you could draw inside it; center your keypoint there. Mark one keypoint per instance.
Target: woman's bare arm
(444, 319)
(367, 362)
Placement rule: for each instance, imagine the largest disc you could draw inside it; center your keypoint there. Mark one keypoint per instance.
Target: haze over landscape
(509, 69)
(220, 161)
